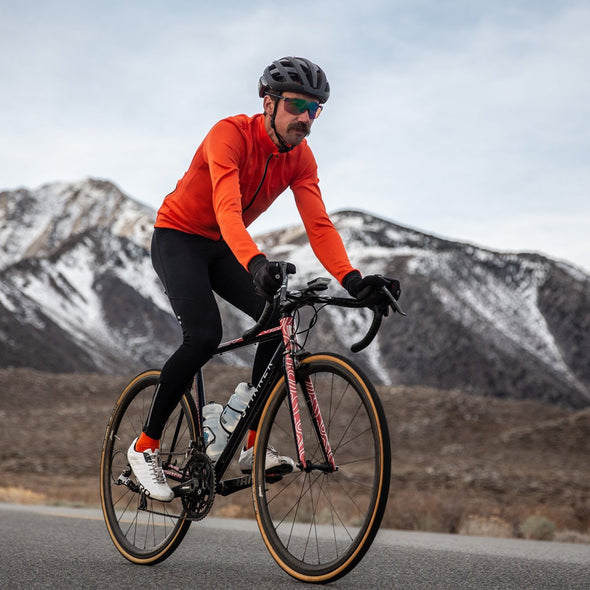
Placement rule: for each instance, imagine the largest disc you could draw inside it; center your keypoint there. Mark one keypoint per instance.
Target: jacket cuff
(352, 277)
(256, 263)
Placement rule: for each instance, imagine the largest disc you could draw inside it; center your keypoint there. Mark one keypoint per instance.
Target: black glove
(267, 275)
(367, 288)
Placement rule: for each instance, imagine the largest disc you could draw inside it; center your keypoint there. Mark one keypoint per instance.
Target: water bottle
(236, 406)
(215, 436)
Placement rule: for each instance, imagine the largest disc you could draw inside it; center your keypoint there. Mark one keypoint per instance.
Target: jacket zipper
(259, 186)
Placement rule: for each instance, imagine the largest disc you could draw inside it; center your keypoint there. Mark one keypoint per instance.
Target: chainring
(200, 475)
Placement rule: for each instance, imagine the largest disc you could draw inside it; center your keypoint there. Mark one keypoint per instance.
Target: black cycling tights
(191, 268)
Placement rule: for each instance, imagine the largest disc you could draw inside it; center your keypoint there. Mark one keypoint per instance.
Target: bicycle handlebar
(370, 335)
(261, 322)
(309, 296)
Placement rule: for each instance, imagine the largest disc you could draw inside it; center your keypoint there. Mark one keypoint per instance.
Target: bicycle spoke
(318, 524)
(143, 530)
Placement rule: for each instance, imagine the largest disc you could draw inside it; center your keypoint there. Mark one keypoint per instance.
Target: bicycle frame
(317, 519)
(288, 349)
(256, 404)
(284, 360)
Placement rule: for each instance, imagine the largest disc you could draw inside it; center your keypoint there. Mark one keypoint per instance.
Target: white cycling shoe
(147, 467)
(275, 463)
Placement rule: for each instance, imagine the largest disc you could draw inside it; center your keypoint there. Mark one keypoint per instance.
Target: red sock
(144, 442)
(251, 438)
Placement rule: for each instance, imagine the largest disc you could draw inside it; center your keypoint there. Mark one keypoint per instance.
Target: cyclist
(201, 245)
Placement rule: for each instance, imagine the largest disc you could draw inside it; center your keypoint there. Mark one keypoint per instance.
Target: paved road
(59, 548)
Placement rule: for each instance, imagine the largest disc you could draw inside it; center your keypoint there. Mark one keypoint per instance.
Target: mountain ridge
(76, 280)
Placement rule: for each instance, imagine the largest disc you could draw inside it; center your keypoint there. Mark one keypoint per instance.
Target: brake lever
(282, 291)
(393, 301)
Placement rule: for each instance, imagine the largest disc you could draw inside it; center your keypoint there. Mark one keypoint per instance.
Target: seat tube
(287, 331)
(200, 399)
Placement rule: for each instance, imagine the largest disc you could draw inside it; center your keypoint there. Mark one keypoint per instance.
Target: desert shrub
(485, 526)
(538, 528)
(572, 537)
(423, 511)
(20, 495)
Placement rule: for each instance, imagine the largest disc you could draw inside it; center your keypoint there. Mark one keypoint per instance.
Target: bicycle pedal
(273, 477)
(125, 480)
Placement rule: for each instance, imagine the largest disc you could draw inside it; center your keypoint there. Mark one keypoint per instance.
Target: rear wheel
(144, 530)
(318, 524)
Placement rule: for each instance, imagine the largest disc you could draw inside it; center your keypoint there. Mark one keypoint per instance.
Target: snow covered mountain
(77, 293)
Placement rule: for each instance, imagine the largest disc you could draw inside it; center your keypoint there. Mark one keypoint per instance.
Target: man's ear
(268, 104)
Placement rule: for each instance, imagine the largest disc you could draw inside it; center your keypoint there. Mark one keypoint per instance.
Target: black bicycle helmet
(295, 74)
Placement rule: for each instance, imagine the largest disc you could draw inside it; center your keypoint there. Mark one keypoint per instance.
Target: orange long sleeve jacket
(235, 175)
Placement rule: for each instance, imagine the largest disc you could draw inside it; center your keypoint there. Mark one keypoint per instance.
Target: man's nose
(305, 117)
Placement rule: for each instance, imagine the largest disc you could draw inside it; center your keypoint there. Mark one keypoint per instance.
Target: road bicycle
(317, 521)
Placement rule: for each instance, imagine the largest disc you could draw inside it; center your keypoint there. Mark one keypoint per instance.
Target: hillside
(461, 463)
(78, 294)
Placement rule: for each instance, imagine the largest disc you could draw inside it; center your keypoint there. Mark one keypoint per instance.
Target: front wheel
(318, 524)
(145, 531)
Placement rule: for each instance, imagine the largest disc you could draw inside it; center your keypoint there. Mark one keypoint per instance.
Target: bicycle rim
(144, 530)
(319, 525)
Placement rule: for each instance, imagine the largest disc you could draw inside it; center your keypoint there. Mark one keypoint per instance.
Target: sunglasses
(298, 106)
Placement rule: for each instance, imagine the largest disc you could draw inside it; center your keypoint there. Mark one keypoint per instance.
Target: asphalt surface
(62, 548)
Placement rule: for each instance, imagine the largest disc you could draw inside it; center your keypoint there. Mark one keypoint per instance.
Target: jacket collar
(263, 137)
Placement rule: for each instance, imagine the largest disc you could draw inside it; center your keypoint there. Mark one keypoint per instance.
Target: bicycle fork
(290, 348)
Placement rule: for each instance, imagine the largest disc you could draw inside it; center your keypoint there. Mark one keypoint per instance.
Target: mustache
(300, 126)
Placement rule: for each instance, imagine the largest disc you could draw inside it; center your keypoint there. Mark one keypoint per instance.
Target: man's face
(292, 128)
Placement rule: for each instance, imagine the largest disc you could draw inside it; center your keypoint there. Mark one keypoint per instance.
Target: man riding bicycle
(201, 246)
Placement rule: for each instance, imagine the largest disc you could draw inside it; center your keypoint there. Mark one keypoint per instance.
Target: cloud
(455, 117)
(482, 127)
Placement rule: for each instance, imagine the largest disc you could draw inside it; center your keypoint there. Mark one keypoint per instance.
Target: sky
(465, 119)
